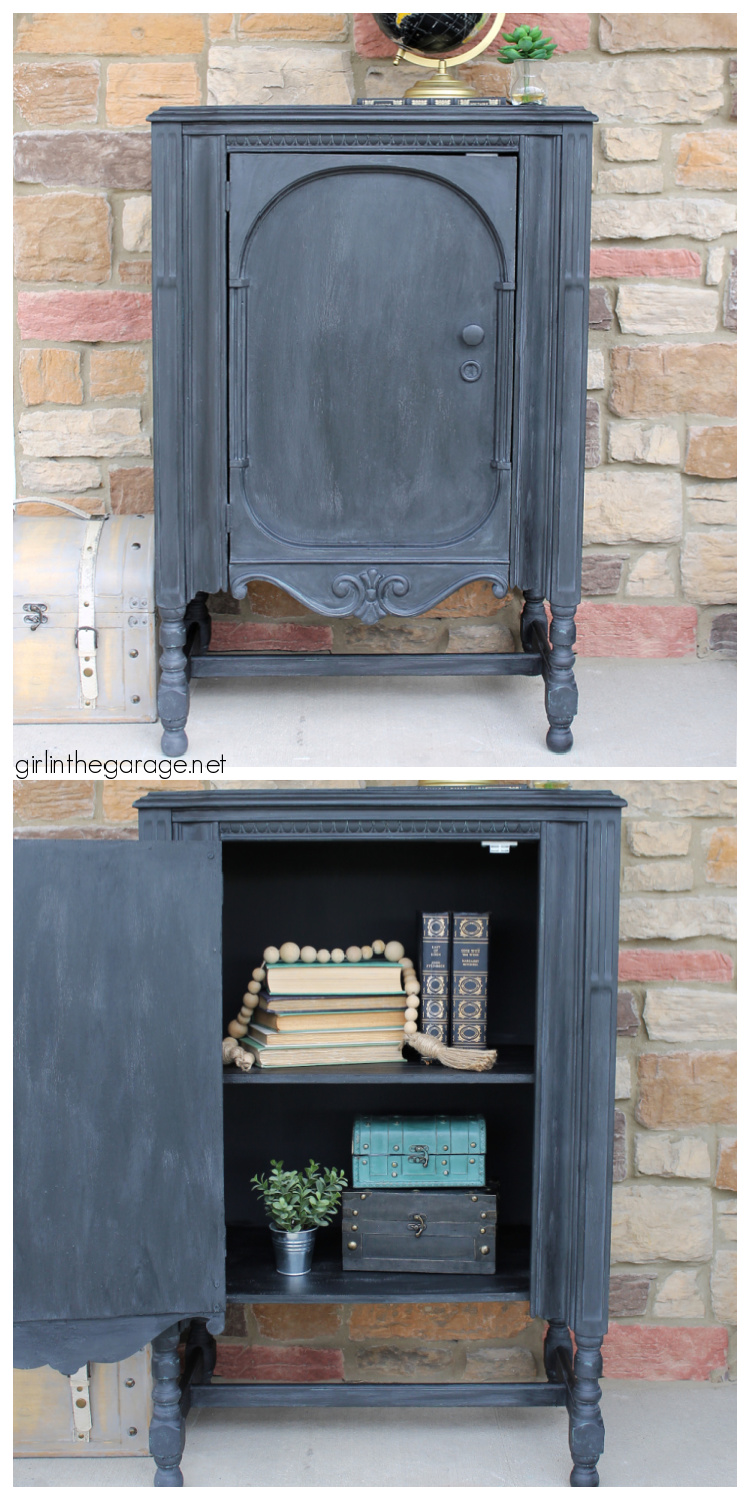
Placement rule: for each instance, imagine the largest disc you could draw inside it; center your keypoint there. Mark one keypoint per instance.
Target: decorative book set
(454, 966)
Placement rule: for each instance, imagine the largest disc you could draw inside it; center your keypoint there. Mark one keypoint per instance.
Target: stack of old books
(317, 1015)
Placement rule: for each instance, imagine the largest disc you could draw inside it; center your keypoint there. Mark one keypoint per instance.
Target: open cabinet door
(119, 1193)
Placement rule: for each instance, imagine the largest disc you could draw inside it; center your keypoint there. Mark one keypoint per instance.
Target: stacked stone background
(673, 1297)
(660, 519)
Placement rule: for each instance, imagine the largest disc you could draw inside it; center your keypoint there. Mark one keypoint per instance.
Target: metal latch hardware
(497, 847)
(419, 1155)
(418, 1226)
(36, 615)
(94, 632)
(80, 1401)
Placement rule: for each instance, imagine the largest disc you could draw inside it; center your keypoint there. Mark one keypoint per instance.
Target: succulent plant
(525, 44)
(300, 1200)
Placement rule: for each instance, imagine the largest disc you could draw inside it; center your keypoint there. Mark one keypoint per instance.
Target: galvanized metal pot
(293, 1250)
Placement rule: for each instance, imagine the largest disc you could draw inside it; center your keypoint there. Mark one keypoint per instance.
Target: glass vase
(527, 81)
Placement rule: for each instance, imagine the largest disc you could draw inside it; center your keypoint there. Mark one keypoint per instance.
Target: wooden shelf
(514, 1065)
(252, 1275)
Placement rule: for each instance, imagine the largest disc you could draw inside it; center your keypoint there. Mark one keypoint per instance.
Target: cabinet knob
(472, 334)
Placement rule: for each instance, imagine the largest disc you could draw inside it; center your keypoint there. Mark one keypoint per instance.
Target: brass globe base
(440, 85)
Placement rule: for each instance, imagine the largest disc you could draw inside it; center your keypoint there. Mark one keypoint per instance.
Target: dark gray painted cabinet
(133, 1154)
(370, 333)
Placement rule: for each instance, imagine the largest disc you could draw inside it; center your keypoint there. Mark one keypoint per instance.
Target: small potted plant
(526, 48)
(298, 1203)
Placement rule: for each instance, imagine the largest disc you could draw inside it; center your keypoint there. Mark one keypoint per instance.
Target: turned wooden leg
(561, 693)
(197, 614)
(173, 697)
(586, 1428)
(199, 1338)
(167, 1431)
(557, 1337)
(533, 612)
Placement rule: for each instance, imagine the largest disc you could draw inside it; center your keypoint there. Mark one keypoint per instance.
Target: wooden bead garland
(290, 953)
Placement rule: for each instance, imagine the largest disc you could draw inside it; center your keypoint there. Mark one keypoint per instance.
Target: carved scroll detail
(369, 592)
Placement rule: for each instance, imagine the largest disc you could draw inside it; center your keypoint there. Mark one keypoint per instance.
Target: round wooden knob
(472, 334)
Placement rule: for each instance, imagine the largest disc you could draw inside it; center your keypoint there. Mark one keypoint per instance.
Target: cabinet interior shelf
(252, 1274)
(514, 1065)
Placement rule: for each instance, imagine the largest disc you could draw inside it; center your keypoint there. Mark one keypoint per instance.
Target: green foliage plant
(300, 1200)
(526, 44)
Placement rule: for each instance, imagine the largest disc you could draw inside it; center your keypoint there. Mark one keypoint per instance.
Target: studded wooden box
(413, 1230)
(425, 1151)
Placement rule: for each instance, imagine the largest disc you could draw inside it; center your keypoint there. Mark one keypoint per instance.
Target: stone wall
(661, 501)
(673, 1306)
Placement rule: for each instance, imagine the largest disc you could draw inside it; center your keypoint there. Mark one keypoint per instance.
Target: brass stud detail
(471, 1161)
(483, 1231)
(352, 1245)
(472, 1145)
(445, 1174)
(362, 1197)
(483, 1215)
(474, 1198)
(484, 1249)
(130, 1383)
(355, 1211)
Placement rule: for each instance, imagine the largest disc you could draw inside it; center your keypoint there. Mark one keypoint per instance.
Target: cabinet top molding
(492, 117)
(423, 802)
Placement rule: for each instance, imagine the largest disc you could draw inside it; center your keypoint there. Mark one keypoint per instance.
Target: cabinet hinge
(227, 526)
(227, 194)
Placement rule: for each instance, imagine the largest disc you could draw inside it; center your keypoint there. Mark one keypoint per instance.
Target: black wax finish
(318, 424)
(118, 1208)
(119, 1217)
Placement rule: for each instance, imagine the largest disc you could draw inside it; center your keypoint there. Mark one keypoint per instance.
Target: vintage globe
(429, 34)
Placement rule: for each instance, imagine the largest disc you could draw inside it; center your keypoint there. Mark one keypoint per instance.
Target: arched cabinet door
(370, 369)
(119, 1202)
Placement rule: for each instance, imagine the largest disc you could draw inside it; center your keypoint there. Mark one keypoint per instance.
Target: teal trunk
(419, 1151)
